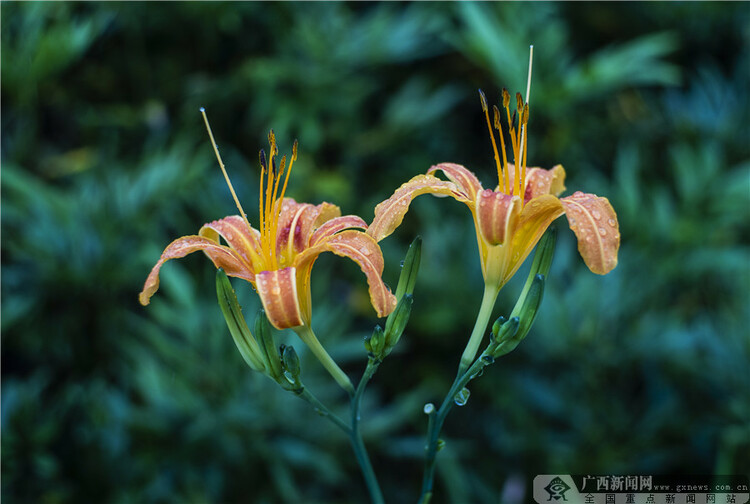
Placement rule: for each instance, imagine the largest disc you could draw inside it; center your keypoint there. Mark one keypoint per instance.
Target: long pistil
(223, 169)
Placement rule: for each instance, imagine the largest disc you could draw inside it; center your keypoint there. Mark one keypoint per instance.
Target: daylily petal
(297, 223)
(335, 225)
(464, 179)
(390, 213)
(326, 212)
(234, 230)
(534, 220)
(497, 214)
(594, 222)
(278, 292)
(540, 181)
(222, 257)
(364, 250)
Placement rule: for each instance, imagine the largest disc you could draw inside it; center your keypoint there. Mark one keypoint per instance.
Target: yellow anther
(483, 99)
(492, 136)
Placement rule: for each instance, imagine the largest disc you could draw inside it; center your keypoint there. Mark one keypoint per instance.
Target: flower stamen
(498, 126)
(492, 137)
(252, 252)
(271, 199)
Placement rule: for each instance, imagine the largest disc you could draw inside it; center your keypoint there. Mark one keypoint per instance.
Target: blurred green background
(105, 160)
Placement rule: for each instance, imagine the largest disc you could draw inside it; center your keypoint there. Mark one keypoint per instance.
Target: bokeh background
(105, 160)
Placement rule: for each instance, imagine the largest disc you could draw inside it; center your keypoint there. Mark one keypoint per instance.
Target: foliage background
(105, 160)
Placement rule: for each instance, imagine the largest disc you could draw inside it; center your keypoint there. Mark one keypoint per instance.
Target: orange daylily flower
(511, 219)
(277, 257)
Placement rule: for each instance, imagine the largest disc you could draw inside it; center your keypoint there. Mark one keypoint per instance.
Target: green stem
(307, 335)
(356, 436)
(323, 410)
(435, 425)
(483, 318)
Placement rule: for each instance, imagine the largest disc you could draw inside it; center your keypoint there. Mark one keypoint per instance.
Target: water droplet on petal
(596, 215)
(612, 222)
(602, 232)
(276, 290)
(366, 251)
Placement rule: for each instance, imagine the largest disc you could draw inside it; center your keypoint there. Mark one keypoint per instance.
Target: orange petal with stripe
(278, 292)
(295, 225)
(365, 251)
(464, 179)
(594, 222)
(236, 233)
(326, 212)
(336, 225)
(497, 214)
(390, 213)
(540, 181)
(221, 256)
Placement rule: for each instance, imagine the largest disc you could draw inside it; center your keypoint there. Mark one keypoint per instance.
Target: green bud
(508, 330)
(243, 338)
(409, 269)
(270, 354)
(368, 345)
(505, 341)
(397, 320)
(440, 445)
(497, 325)
(291, 361)
(531, 306)
(545, 251)
(377, 342)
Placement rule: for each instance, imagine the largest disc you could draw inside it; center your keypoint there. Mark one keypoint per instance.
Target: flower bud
(243, 338)
(508, 330)
(377, 343)
(396, 322)
(496, 327)
(270, 354)
(545, 251)
(290, 359)
(531, 306)
(409, 269)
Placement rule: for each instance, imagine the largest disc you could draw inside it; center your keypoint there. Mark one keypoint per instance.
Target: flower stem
(483, 318)
(323, 410)
(376, 495)
(435, 425)
(307, 335)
